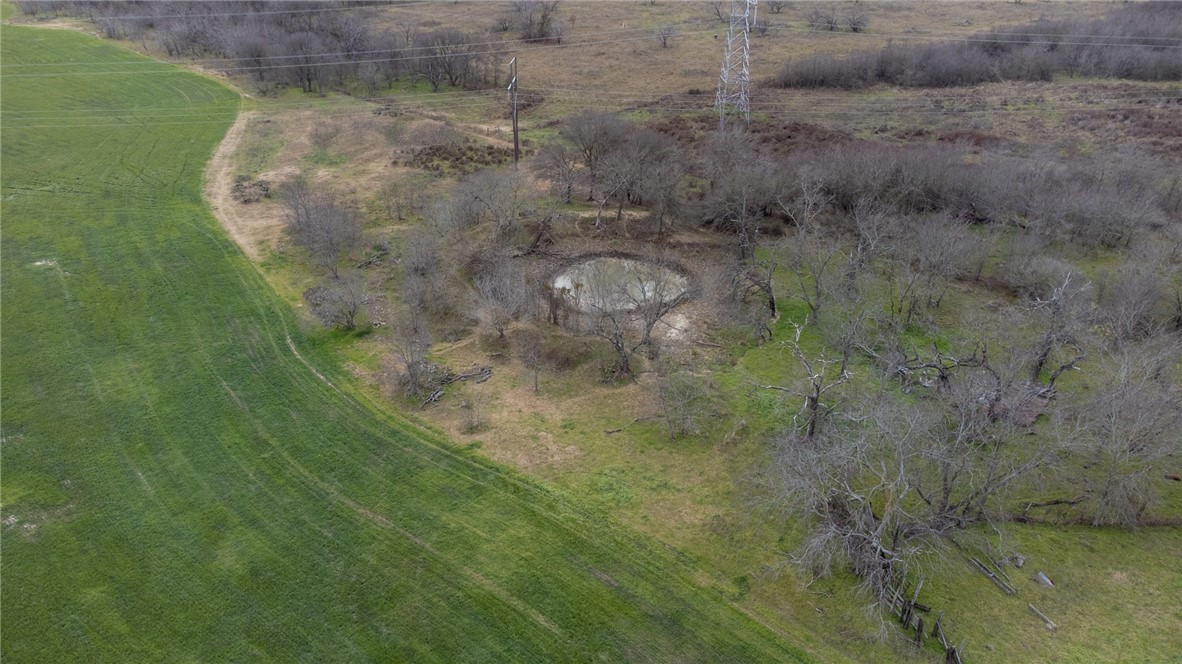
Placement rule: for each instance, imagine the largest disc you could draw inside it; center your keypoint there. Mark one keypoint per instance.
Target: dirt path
(251, 231)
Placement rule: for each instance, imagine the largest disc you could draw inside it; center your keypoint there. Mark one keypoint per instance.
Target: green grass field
(181, 484)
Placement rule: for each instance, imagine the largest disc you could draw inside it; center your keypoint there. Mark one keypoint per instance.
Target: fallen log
(1050, 625)
(1005, 587)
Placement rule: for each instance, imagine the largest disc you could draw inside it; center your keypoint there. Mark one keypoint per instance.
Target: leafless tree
(659, 185)
(813, 259)
(558, 164)
(723, 15)
(653, 293)
(684, 401)
(850, 486)
(856, 20)
(776, 6)
(320, 223)
(602, 294)
(848, 323)
(307, 63)
(423, 288)
(741, 189)
(594, 135)
(618, 174)
(665, 34)
(820, 18)
(1129, 427)
(646, 168)
(409, 29)
(940, 249)
(441, 57)
(875, 234)
(499, 294)
(808, 199)
(411, 341)
(340, 301)
(499, 198)
(891, 481)
(527, 345)
(817, 407)
(536, 20)
(1132, 301)
(1061, 320)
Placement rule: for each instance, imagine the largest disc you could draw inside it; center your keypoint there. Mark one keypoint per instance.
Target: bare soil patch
(253, 227)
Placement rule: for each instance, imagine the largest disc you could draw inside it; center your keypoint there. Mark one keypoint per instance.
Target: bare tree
(411, 340)
(776, 6)
(816, 408)
(940, 249)
(536, 21)
(593, 135)
(665, 34)
(320, 223)
(339, 301)
(603, 296)
(558, 164)
(741, 189)
(856, 20)
(722, 14)
(820, 18)
(1132, 301)
(645, 168)
(807, 201)
(684, 402)
(423, 287)
(499, 198)
(891, 481)
(450, 56)
(875, 233)
(527, 345)
(1061, 319)
(1128, 428)
(813, 259)
(499, 294)
(653, 293)
(659, 185)
(409, 30)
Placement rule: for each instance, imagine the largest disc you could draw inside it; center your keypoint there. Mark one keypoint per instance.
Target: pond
(618, 284)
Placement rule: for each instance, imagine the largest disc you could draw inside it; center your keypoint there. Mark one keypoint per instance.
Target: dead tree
(1061, 319)
(593, 135)
(816, 408)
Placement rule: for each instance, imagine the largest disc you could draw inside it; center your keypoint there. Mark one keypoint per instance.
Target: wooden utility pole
(513, 110)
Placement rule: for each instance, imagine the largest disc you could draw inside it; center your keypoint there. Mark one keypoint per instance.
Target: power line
(803, 110)
(986, 40)
(815, 97)
(375, 5)
(397, 50)
(951, 36)
(173, 68)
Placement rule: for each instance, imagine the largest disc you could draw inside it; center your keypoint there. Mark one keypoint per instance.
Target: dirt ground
(250, 226)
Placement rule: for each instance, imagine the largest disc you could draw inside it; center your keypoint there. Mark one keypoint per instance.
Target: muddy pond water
(618, 284)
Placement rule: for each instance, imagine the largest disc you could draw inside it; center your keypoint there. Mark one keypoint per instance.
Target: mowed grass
(181, 484)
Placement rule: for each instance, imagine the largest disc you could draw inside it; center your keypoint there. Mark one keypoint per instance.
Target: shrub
(1029, 53)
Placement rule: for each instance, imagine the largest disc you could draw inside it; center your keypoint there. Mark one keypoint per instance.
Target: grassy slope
(179, 485)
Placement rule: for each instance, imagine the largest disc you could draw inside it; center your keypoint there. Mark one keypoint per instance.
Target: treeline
(1138, 42)
(312, 45)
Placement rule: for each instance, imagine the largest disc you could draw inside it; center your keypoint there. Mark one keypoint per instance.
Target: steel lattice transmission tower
(734, 84)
